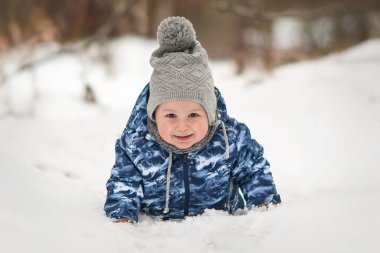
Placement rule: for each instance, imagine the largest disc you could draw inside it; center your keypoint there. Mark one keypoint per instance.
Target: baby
(180, 152)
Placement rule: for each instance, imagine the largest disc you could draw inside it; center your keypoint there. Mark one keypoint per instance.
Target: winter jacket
(228, 173)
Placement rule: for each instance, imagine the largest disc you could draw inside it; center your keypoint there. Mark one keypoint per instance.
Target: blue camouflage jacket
(206, 178)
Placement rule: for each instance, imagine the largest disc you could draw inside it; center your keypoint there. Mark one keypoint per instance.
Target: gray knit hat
(181, 69)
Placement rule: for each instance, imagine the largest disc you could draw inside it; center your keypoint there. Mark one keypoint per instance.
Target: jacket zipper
(186, 184)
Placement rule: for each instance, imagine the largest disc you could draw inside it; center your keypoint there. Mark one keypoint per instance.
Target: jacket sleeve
(252, 173)
(124, 188)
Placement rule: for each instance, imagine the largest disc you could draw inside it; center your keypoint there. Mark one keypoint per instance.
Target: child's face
(181, 123)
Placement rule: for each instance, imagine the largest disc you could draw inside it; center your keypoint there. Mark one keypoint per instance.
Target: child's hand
(265, 207)
(123, 221)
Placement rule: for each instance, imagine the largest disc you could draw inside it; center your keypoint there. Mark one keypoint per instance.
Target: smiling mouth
(183, 138)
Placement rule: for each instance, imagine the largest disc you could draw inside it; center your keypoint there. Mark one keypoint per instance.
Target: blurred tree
(62, 21)
(238, 29)
(329, 25)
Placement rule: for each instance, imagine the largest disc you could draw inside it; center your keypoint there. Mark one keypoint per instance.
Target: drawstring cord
(166, 210)
(225, 140)
(167, 196)
(227, 155)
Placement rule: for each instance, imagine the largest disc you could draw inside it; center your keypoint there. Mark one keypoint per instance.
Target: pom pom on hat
(176, 34)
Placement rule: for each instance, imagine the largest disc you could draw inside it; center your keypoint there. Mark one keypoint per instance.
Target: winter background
(319, 122)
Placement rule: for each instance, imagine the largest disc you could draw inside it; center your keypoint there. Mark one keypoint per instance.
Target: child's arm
(252, 172)
(124, 188)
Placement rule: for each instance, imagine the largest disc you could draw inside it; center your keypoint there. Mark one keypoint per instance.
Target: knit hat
(181, 70)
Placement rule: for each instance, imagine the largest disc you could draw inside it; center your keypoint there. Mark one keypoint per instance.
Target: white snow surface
(319, 122)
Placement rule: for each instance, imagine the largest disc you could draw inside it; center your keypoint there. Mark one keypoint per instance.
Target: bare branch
(243, 11)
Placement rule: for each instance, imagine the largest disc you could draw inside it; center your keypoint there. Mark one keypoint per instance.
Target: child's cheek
(164, 130)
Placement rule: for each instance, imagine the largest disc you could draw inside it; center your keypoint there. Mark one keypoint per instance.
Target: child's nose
(182, 125)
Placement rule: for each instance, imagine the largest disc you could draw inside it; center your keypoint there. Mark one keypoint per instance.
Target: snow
(318, 120)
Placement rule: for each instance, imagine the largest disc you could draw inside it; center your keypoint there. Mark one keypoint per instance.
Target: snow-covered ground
(319, 122)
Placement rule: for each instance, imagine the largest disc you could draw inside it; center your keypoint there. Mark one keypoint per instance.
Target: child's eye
(170, 115)
(193, 115)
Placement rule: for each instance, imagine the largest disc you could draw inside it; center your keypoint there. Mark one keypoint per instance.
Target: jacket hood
(138, 121)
